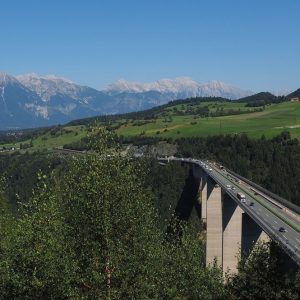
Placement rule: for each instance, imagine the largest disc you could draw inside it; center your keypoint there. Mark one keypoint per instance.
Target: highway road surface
(270, 215)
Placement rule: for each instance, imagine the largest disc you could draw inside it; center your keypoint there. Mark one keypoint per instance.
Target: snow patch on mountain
(178, 87)
(163, 86)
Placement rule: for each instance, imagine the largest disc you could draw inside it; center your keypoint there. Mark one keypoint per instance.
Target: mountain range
(31, 100)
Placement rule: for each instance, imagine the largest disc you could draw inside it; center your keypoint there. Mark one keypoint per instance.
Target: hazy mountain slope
(53, 89)
(19, 106)
(30, 101)
(295, 94)
(263, 96)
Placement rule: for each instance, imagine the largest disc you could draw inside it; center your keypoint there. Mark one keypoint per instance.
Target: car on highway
(233, 188)
(209, 169)
(228, 186)
(251, 203)
(241, 196)
(282, 229)
(243, 200)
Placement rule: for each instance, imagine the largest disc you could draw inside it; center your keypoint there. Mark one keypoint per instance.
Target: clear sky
(253, 44)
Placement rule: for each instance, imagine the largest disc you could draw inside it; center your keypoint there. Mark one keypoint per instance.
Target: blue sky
(253, 44)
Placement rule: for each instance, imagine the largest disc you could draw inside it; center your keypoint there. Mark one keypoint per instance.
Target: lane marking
(275, 222)
(298, 240)
(285, 237)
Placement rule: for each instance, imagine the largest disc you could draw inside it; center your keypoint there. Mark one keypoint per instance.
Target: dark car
(251, 203)
(282, 229)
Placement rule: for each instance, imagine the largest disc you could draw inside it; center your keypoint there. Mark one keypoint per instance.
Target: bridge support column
(203, 196)
(232, 234)
(252, 234)
(214, 228)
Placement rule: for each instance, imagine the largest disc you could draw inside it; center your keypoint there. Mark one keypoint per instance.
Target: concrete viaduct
(238, 214)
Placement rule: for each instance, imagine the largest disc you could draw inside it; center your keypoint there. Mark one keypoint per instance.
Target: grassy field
(50, 141)
(269, 122)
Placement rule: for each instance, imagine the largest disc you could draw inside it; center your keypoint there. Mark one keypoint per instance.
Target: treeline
(257, 100)
(262, 99)
(20, 173)
(148, 114)
(274, 164)
(14, 136)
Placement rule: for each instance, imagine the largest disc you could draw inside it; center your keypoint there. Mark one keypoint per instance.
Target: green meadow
(271, 121)
(48, 141)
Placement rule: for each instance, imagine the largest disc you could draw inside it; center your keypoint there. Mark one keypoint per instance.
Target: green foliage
(117, 225)
(20, 173)
(96, 234)
(273, 164)
(35, 261)
(260, 277)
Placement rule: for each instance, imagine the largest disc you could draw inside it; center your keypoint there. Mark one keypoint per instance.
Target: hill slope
(295, 94)
(177, 120)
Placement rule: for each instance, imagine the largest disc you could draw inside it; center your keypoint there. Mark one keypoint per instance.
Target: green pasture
(270, 122)
(48, 141)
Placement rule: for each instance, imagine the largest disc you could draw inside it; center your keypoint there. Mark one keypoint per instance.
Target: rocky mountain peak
(6, 78)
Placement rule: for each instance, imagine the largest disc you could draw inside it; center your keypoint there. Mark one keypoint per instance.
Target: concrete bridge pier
(232, 234)
(252, 234)
(204, 197)
(214, 226)
(201, 176)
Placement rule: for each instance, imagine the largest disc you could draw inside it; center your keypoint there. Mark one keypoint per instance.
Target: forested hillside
(274, 164)
(119, 228)
(96, 233)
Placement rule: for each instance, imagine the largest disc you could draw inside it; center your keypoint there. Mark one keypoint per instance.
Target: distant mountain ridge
(180, 87)
(295, 94)
(31, 100)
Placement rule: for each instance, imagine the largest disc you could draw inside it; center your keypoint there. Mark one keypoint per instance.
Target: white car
(228, 186)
